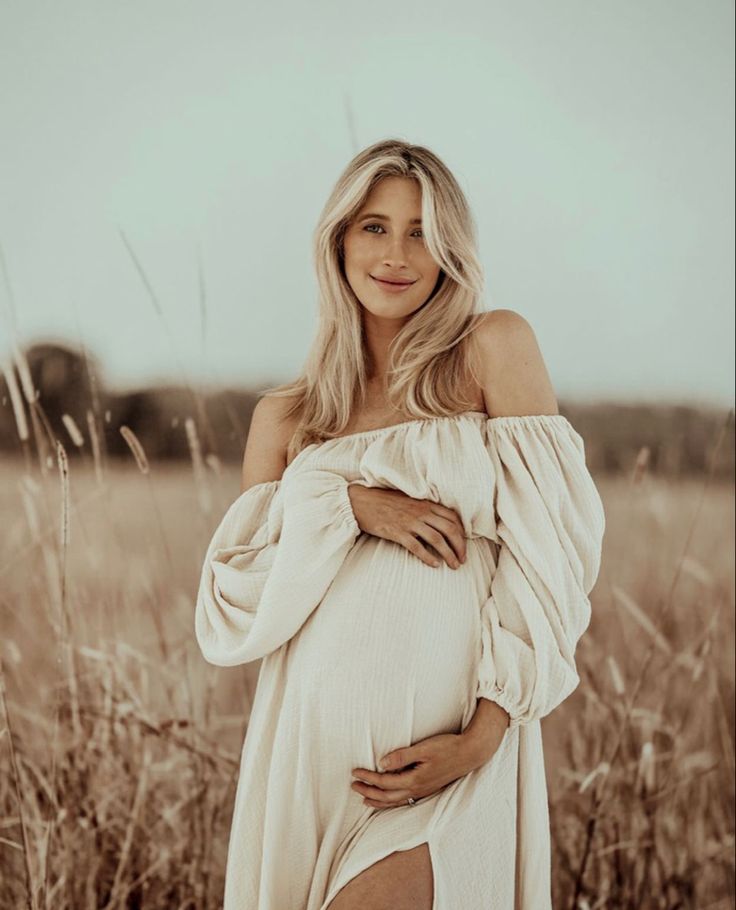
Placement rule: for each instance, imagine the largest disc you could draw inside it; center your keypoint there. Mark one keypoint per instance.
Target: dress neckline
(530, 421)
(404, 423)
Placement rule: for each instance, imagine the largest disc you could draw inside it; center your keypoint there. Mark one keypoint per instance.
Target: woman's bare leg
(399, 881)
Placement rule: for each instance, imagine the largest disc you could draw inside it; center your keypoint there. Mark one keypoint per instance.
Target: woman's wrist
(483, 735)
(353, 495)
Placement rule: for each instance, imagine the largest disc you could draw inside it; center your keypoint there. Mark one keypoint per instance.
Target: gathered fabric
(365, 649)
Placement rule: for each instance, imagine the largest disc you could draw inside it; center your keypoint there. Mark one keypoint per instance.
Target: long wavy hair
(431, 358)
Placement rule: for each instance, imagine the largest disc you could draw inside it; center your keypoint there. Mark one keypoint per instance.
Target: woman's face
(390, 245)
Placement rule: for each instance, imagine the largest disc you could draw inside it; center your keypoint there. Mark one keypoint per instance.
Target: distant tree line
(71, 403)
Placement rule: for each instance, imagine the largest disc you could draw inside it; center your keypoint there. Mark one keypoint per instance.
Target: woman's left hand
(436, 762)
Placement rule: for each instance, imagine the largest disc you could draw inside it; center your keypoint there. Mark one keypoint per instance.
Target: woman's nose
(395, 250)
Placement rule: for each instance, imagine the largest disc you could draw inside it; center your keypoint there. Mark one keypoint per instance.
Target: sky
(594, 140)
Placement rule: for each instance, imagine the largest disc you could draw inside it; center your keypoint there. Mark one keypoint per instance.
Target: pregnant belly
(393, 646)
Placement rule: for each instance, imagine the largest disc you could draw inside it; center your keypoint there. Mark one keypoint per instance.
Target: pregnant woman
(411, 557)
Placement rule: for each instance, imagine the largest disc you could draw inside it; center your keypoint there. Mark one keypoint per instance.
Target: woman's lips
(391, 287)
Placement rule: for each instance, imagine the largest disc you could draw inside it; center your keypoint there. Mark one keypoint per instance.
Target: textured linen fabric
(365, 649)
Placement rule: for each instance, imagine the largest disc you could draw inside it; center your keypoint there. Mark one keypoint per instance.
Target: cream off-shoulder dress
(366, 649)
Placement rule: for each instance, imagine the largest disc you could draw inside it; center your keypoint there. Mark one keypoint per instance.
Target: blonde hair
(428, 362)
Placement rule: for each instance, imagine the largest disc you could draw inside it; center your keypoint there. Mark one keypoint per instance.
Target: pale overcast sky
(594, 140)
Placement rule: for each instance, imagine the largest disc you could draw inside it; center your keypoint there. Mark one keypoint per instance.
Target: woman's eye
(369, 226)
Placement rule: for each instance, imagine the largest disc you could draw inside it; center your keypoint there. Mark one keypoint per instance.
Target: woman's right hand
(393, 515)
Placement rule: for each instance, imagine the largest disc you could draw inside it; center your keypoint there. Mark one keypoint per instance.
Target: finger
(376, 805)
(452, 529)
(383, 797)
(390, 780)
(438, 541)
(399, 759)
(410, 543)
(443, 511)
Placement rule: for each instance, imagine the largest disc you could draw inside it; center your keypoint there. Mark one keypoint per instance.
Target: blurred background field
(121, 749)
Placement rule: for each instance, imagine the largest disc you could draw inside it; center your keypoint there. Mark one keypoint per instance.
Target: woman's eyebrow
(386, 218)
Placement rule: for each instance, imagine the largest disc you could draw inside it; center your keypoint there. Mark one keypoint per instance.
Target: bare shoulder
(269, 433)
(511, 368)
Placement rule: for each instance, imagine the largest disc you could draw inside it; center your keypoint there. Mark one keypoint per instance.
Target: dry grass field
(120, 745)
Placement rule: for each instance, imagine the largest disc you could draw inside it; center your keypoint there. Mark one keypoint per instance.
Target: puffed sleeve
(270, 562)
(550, 525)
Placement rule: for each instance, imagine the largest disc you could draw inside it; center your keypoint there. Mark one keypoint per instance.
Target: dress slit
(327, 905)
